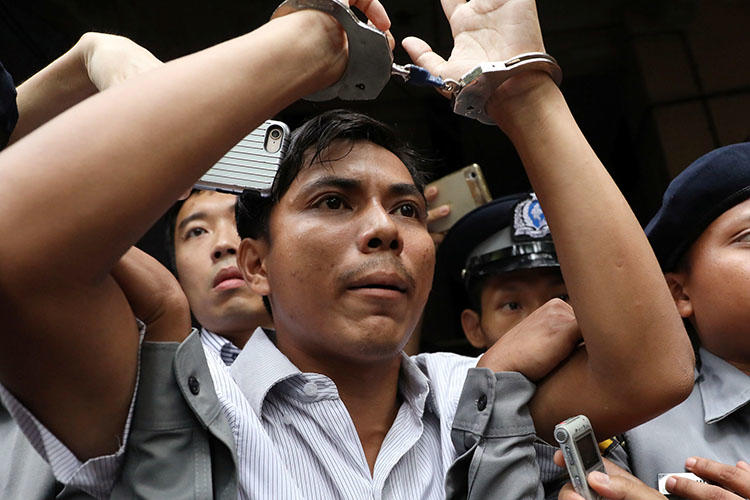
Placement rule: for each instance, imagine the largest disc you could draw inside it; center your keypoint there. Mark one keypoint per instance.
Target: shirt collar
(261, 366)
(724, 388)
(415, 387)
(222, 346)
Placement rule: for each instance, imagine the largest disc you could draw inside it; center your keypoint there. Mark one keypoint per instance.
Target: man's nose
(380, 231)
(222, 249)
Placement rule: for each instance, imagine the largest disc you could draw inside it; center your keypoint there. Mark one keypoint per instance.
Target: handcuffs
(370, 66)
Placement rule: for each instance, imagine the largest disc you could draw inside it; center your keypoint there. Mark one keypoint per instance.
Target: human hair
(310, 143)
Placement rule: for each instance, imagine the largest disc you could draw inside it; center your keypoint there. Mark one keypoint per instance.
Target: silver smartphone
(581, 452)
(252, 163)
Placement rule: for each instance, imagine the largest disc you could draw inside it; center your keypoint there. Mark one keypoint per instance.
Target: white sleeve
(96, 476)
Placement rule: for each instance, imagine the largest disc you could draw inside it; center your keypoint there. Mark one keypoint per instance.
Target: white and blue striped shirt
(295, 438)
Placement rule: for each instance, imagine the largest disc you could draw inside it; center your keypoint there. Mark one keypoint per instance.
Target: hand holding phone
(463, 191)
(581, 453)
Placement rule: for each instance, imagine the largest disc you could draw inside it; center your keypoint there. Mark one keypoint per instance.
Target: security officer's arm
(97, 61)
(623, 307)
(76, 193)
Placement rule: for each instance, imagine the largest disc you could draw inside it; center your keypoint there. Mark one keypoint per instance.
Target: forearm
(621, 301)
(57, 87)
(129, 152)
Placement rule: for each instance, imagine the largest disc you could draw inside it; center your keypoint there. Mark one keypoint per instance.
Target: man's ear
(471, 324)
(252, 264)
(676, 282)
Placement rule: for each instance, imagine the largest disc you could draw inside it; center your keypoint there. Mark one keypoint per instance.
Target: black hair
(171, 226)
(309, 143)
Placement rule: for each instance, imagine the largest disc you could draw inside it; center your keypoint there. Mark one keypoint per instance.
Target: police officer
(496, 265)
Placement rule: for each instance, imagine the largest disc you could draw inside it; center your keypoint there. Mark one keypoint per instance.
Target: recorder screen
(586, 447)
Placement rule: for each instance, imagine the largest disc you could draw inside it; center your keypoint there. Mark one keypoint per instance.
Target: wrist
(322, 46)
(496, 362)
(521, 101)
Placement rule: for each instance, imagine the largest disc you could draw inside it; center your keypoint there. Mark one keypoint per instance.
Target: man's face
(508, 298)
(206, 243)
(717, 285)
(349, 264)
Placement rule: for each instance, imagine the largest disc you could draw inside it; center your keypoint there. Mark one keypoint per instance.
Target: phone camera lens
(561, 435)
(275, 134)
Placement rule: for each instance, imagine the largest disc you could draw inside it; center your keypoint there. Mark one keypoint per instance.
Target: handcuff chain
(452, 86)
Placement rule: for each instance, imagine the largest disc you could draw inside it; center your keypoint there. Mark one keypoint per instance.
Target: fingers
(622, 487)
(612, 468)
(735, 478)
(559, 459)
(693, 490)
(374, 11)
(421, 54)
(391, 40)
(438, 213)
(743, 465)
(568, 493)
(616, 485)
(154, 296)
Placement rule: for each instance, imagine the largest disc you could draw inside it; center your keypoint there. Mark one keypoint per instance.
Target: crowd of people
(296, 384)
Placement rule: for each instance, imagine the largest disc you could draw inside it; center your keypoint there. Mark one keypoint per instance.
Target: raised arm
(620, 298)
(80, 190)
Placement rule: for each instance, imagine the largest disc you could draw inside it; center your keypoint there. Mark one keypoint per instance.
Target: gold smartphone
(463, 190)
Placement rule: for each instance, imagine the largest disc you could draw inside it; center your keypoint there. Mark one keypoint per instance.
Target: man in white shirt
(341, 250)
(202, 243)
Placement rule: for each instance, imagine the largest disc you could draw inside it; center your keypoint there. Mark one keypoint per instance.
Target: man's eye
(196, 231)
(331, 202)
(510, 306)
(408, 210)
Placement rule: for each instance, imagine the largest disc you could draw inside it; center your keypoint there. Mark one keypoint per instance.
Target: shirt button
(482, 402)
(194, 385)
(310, 389)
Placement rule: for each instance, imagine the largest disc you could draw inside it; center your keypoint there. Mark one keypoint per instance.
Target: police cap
(710, 186)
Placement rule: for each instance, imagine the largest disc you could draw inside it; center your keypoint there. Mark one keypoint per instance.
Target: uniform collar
(261, 366)
(724, 389)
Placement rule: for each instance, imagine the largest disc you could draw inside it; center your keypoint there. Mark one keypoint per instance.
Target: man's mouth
(387, 281)
(229, 277)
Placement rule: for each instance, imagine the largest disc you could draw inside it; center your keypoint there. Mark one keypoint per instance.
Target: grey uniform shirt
(713, 422)
(490, 417)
